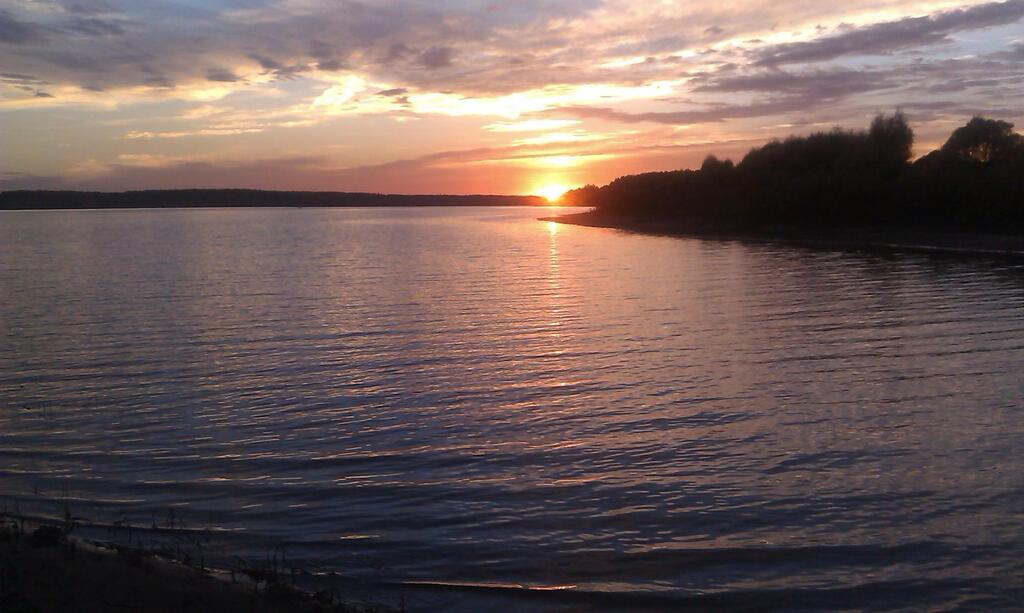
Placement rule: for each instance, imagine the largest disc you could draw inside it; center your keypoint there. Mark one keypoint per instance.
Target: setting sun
(552, 192)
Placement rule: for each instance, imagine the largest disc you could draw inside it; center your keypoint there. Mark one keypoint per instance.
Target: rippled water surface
(471, 396)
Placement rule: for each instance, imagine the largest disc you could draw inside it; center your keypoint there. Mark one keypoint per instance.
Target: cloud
(437, 57)
(1015, 53)
(93, 26)
(532, 125)
(215, 131)
(397, 52)
(687, 118)
(86, 7)
(809, 86)
(891, 36)
(336, 98)
(16, 32)
(10, 181)
(93, 44)
(510, 46)
(221, 75)
(395, 78)
(788, 93)
(499, 169)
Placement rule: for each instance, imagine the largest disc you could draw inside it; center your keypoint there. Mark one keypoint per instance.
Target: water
(474, 397)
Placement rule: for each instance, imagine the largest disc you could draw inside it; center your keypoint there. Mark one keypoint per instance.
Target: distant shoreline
(34, 200)
(876, 239)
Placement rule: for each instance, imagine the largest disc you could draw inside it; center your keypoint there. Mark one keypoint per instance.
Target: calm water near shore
(471, 396)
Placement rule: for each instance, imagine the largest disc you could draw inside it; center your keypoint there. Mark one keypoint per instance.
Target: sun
(552, 192)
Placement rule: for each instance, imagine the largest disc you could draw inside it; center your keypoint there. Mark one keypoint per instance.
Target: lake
(467, 406)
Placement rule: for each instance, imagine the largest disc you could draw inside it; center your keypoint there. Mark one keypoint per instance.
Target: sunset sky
(470, 96)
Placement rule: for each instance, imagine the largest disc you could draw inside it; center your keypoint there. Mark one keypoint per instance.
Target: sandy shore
(875, 239)
(43, 570)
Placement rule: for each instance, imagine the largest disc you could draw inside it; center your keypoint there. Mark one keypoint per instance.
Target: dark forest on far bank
(837, 179)
(186, 198)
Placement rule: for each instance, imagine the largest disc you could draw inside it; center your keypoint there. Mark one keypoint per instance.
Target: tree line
(168, 198)
(839, 178)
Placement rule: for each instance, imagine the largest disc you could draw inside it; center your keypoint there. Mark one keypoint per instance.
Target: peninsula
(836, 187)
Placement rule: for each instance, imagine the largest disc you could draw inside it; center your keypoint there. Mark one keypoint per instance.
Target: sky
(471, 96)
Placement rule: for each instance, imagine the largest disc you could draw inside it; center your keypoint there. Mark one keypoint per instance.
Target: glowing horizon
(553, 192)
(528, 98)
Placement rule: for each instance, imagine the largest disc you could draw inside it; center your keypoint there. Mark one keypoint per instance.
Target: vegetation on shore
(837, 179)
(43, 568)
(174, 198)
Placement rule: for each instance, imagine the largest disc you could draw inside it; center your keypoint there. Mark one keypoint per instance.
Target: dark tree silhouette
(839, 178)
(984, 140)
(582, 196)
(890, 143)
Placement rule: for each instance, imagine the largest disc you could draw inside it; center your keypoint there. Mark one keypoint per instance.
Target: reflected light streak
(557, 307)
